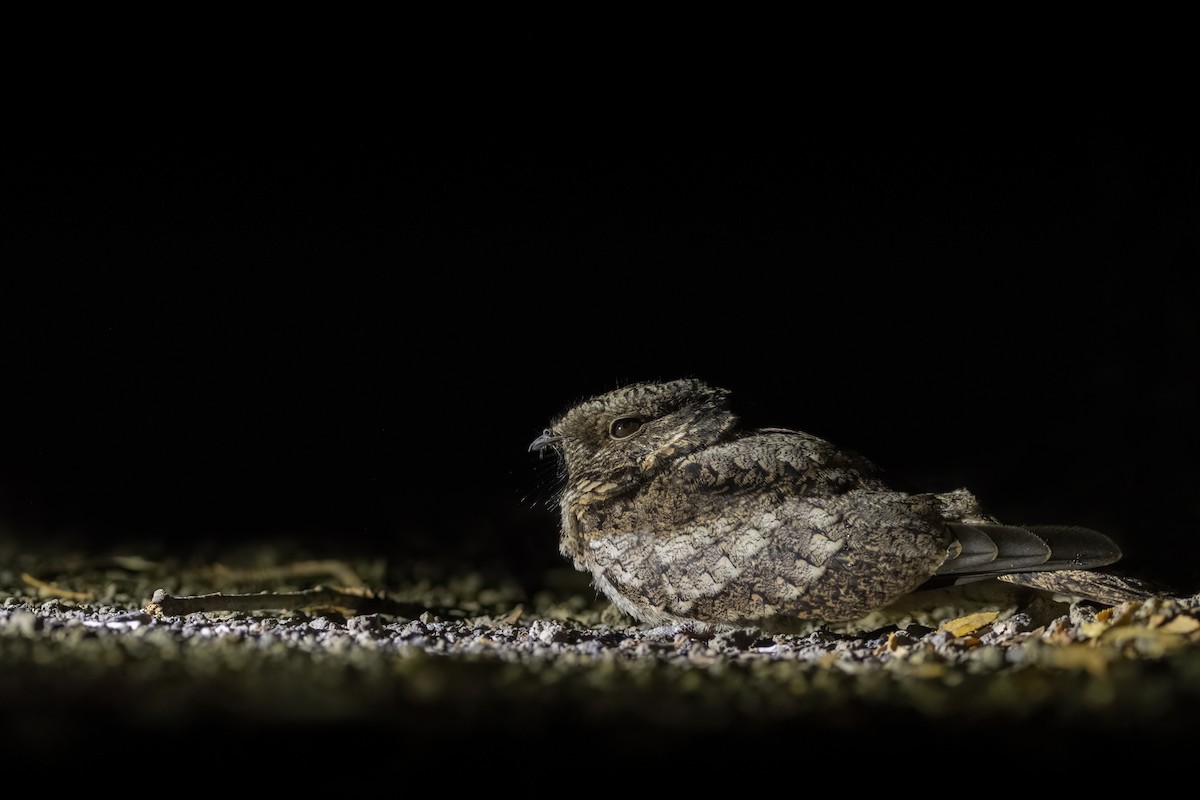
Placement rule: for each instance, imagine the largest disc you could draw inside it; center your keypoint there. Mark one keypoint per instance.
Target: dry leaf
(1153, 642)
(970, 623)
(1181, 624)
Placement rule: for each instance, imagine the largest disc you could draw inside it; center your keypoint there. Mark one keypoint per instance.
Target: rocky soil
(464, 662)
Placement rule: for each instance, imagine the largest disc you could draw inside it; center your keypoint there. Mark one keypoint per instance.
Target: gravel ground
(469, 664)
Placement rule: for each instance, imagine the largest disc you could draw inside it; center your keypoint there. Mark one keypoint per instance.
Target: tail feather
(976, 550)
(1023, 549)
(1014, 549)
(1064, 559)
(1072, 547)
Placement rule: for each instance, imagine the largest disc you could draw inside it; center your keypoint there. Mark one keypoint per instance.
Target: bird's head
(629, 434)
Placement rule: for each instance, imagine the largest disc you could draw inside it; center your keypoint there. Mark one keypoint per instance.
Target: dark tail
(1057, 558)
(989, 550)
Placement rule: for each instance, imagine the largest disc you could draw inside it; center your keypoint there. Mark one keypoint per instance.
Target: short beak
(547, 439)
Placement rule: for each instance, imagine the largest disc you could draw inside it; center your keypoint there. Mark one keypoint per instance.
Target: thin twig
(165, 605)
(53, 590)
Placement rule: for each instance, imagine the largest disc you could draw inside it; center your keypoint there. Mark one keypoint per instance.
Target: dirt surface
(469, 664)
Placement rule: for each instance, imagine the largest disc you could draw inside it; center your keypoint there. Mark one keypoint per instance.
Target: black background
(347, 329)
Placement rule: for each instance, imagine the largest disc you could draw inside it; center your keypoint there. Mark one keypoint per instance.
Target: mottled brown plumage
(682, 518)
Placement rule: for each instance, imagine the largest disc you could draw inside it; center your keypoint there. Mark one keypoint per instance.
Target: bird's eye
(624, 427)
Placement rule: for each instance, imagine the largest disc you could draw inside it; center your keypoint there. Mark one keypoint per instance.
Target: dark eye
(624, 427)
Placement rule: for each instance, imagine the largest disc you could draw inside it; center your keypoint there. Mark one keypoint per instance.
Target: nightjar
(681, 517)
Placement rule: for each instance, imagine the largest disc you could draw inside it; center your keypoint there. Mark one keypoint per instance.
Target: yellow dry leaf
(970, 623)
(1123, 613)
(926, 670)
(1148, 641)
(1079, 656)
(1181, 624)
